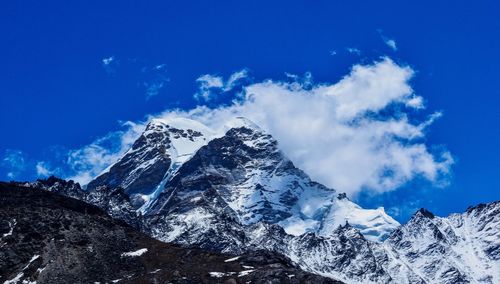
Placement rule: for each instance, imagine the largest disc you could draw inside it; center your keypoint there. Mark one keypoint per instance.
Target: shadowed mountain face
(50, 238)
(143, 166)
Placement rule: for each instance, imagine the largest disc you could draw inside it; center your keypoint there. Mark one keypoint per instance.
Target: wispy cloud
(43, 169)
(207, 84)
(14, 162)
(403, 211)
(153, 88)
(155, 79)
(89, 161)
(391, 43)
(109, 64)
(151, 78)
(353, 50)
(306, 81)
(160, 66)
(108, 60)
(234, 79)
(210, 84)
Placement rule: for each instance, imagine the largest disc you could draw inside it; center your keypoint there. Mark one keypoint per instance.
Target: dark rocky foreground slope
(49, 238)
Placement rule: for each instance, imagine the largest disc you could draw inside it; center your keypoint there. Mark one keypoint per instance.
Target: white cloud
(108, 60)
(209, 83)
(391, 43)
(416, 102)
(351, 135)
(14, 161)
(155, 79)
(88, 162)
(337, 132)
(14, 158)
(234, 79)
(153, 88)
(305, 81)
(108, 63)
(42, 169)
(353, 50)
(160, 66)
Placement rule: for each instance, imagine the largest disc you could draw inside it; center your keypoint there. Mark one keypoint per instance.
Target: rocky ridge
(49, 238)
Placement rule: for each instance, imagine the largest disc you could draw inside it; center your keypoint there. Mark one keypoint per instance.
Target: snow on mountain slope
(253, 178)
(345, 255)
(461, 248)
(263, 184)
(186, 137)
(374, 224)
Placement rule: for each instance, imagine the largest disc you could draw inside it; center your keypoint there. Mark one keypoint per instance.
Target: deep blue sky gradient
(54, 90)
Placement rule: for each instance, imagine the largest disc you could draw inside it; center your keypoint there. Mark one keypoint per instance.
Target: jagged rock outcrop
(114, 201)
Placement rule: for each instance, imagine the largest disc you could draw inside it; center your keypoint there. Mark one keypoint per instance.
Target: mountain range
(233, 191)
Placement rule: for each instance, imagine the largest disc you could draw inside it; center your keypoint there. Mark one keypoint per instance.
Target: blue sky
(57, 94)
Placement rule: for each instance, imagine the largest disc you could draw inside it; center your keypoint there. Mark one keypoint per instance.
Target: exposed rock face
(59, 186)
(47, 238)
(143, 166)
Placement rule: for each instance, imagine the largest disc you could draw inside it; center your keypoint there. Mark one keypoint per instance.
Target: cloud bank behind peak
(352, 135)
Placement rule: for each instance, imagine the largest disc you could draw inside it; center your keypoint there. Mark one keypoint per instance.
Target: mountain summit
(180, 162)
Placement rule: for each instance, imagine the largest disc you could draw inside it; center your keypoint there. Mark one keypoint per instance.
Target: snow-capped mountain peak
(258, 182)
(154, 157)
